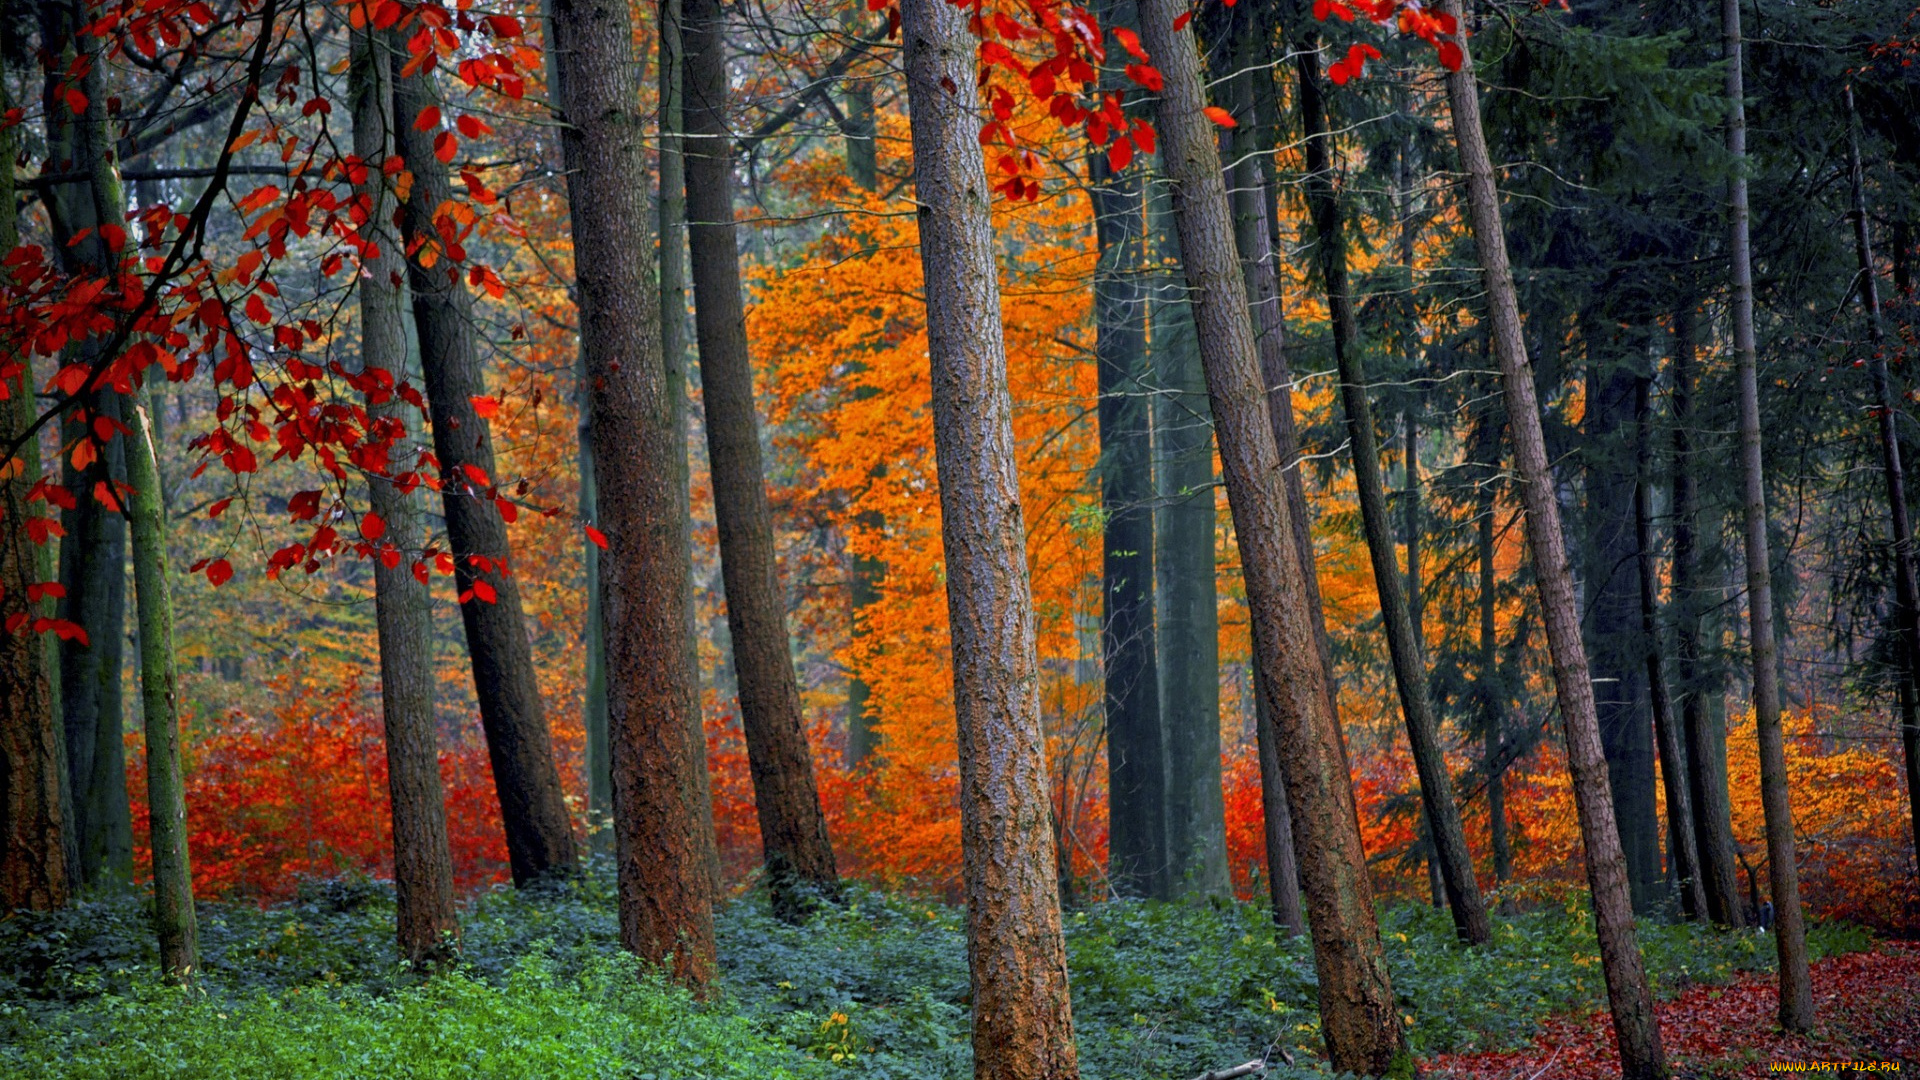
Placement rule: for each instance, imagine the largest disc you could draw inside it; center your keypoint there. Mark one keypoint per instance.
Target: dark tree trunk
(426, 922)
(1136, 778)
(1635, 1025)
(793, 830)
(1783, 872)
(1186, 595)
(1022, 1016)
(599, 748)
(663, 846)
(864, 572)
(1705, 739)
(1907, 600)
(1682, 853)
(519, 746)
(1442, 813)
(1488, 685)
(1358, 1015)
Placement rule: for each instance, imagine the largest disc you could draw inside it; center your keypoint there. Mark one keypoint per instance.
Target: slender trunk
(1907, 601)
(1796, 991)
(1022, 1016)
(1194, 860)
(793, 830)
(1136, 779)
(1276, 820)
(1358, 1014)
(533, 810)
(1705, 740)
(662, 839)
(173, 913)
(93, 555)
(1634, 1023)
(1682, 852)
(864, 572)
(1403, 644)
(426, 921)
(599, 750)
(1489, 686)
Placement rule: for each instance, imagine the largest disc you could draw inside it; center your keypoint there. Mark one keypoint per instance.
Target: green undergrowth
(876, 989)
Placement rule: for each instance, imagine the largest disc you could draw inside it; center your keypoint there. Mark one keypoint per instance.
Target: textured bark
(599, 748)
(1907, 600)
(1705, 739)
(1136, 778)
(173, 914)
(520, 748)
(1682, 852)
(793, 830)
(663, 848)
(1635, 1026)
(426, 921)
(1022, 1016)
(1358, 1016)
(1783, 872)
(1194, 860)
(1448, 836)
(93, 555)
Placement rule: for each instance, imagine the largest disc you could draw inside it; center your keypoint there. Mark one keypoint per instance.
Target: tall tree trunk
(426, 921)
(93, 555)
(1410, 506)
(1783, 873)
(1488, 685)
(1194, 860)
(1907, 610)
(1136, 777)
(599, 748)
(864, 572)
(793, 830)
(1683, 853)
(1634, 1023)
(1358, 1015)
(520, 748)
(1403, 644)
(663, 844)
(173, 913)
(1705, 740)
(34, 841)
(1022, 1016)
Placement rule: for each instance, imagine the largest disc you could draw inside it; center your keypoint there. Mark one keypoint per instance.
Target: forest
(936, 538)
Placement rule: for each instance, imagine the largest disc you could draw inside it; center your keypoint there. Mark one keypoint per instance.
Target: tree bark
(1194, 859)
(1488, 685)
(663, 846)
(1358, 1016)
(599, 748)
(1404, 647)
(1683, 853)
(793, 830)
(1907, 599)
(426, 922)
(1783, 873)
(1635, 1026)
(533, 810)
(1022, 1016)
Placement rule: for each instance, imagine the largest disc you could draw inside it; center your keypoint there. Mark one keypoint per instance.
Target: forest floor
(1867, 1006)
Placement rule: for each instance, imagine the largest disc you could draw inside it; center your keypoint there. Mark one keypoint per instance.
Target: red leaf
(428, 119)
(1120, 154)
(472, 126)
(1130, 41)
(599, 538)
(1221, 116)
(219, 572)
(484, 591)
(372, 526)
(486, 407)
(445, 145)
(219, 508)
(1180, 23)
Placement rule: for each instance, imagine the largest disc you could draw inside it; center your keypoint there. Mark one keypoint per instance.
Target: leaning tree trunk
(1634, 1023)
(1673, 768)
(793, 830)
(533, 809)
(426, 921)
(663, 849)
(34, 871)
(1907, 613)
(173, 913)
(1358, 1015)
(1022, 1016)
(1448, 836)
(1783, 873)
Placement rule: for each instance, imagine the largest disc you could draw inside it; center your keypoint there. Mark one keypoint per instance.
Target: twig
(1543, 1069)
(1258, 1065)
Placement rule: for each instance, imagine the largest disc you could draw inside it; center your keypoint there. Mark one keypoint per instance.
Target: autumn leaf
(1221, 116)
(486, 407)
(372, 526)
(599, 538)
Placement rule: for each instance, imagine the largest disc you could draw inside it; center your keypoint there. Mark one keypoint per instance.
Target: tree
(1022, 1016)
(793, 830)
(1358, 1016)
(662, 846)
(422, 866)
(1408, 652)
(532, 808)
(1783, 873)
(1635, 1026)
